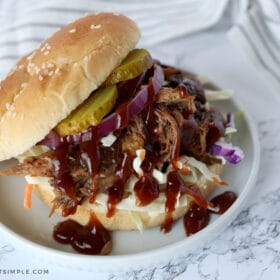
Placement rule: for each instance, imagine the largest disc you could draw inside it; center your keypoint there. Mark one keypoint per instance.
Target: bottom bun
(123, 219)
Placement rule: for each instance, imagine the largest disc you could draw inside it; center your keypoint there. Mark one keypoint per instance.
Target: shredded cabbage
(202, 167)
(232, 154)
(230, 130)
(137, 220)
(213, 95)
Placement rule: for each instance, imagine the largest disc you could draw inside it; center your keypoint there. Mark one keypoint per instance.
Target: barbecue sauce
(222, 202)
(198, 217)
(176, 186)
(146, 189)
(122, 174)
(90, 158)
(62, 178)
(91, 239)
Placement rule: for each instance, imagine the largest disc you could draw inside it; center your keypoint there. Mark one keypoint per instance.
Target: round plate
(34, 228)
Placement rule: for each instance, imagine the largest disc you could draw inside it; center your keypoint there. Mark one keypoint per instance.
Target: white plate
(130, 249)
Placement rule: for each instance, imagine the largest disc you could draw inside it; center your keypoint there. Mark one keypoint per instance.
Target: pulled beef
(172, 97)
(135, 136)
(39, 166)
(176, 119)
(167, 131)
(43, 166)
(62, 201)
(197, 145)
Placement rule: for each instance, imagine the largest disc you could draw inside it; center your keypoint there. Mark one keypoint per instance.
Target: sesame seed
(116, 14)
(43, 65)
(14, 114)
(72, 30)
(75, 64)
(40, 78)
(86, 58)
(93, 26)
(56, 71)
(8, 105)
(50, 65)
(48, 47)
(23, 85)
(31, 56)
(37, 70)
(46, 52)
(51, 73)
(21, 66)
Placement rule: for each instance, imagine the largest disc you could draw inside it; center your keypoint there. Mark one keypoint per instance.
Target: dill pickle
(136, 62)
(90, 112)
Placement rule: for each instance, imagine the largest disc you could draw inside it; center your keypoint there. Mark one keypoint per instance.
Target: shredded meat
(167, 131)
(169, 113)
(172, 97)
(197, 146)
(62, 201)
(39, 166)
(135, 136)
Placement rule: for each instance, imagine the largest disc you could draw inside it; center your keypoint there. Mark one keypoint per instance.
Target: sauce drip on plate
(91, 239)
(198, 217)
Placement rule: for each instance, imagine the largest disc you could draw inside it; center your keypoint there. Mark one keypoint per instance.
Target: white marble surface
(250, 247)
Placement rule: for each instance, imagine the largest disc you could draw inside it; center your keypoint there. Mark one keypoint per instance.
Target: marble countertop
(250, 247)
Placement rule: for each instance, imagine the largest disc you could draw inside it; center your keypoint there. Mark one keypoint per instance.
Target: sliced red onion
(52, 140)
(136, 105)
(232, 154)
(112, 122)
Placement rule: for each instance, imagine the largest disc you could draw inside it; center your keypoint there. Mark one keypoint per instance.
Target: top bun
(44, 87)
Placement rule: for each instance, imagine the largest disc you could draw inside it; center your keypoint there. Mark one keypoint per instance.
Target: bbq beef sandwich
(100, 127)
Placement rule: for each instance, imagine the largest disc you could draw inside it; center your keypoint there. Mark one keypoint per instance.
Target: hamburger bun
(122, 219)
(44, 87)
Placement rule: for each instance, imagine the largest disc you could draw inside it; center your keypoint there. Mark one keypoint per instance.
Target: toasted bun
(47, 85)
(122, 219)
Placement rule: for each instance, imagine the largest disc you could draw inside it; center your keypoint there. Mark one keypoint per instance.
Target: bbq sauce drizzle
(198, 217)
(147, 187)
(91, 239)
(62, 178)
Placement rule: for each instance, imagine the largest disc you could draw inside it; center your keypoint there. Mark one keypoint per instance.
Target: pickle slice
(90, 112)
(136, 62)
